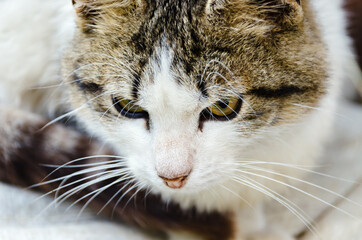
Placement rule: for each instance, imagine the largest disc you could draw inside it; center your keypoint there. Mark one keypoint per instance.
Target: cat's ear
(86, 13)
(91, 13)
(281, 12)
(262, 16)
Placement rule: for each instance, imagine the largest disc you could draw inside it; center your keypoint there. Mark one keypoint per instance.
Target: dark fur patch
(202, 87)
(135, 86)
(89, 87)
(355, 14)
(281, 92)
(86, 86)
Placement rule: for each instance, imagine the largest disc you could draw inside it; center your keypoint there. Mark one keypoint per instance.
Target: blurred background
(354, 8)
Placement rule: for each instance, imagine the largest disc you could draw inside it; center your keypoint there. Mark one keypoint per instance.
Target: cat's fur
(175, 58)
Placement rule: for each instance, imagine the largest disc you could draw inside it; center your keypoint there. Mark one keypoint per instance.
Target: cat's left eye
(129, 109)
(223, 110)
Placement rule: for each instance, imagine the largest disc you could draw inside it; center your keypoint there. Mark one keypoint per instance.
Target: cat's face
(188, 90)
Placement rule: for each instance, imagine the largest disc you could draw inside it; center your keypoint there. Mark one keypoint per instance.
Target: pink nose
(175, 183)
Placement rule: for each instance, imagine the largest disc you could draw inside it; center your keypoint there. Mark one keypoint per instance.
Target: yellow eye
(129, 109)
(129, 106)
(227, 108)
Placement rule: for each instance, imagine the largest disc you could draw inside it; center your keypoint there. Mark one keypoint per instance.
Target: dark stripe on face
(174, 21)
(137, 78)
(135, 86)
(283, 91)
(87, 87)
(202, 87)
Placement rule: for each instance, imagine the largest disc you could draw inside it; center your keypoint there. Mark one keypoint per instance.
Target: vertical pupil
(223, 104)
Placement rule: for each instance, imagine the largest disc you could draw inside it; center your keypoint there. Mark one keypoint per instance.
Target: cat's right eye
(129, 109)
(223, 110)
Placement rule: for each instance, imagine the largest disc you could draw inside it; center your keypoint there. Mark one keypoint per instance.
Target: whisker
(99, 191)
(121, 197)
(73, 111)
(297, 211)
(82, 165)
(85, 171)
(234, 92)
(130, 189)
(118, 61)
(302, 168)
(68, 194)
(306, 182)
(110, 200)
(237, 195)
(139, 187)
(77, 160)
(299, 190)
(62, 186)
(63, 83)
(323, 110)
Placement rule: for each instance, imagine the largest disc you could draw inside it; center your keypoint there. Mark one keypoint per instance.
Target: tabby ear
(281, 12)
(264, 16)
(82, 7)
(86, 13)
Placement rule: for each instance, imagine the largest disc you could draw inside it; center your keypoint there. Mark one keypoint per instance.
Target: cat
(208, 104)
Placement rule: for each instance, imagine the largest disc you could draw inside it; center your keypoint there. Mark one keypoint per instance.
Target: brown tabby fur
(269, 46)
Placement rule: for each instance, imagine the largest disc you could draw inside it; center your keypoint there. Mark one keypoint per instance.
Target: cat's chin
(221, 197)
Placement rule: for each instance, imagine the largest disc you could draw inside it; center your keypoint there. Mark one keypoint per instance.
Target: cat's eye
(223, 110)
(129, 109)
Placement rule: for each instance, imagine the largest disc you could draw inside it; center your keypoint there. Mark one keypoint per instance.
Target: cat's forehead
(265, 52)
(178, 23)
(183, 28)
(197, 31)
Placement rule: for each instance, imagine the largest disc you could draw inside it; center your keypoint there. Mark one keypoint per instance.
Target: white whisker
(299, 190)
(121, 197)
(97, 192)
(296, 210)
(305, 182)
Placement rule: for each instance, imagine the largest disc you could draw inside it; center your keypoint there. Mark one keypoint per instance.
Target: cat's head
(188, 91)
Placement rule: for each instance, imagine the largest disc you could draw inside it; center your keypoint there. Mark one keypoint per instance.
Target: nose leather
(175, 183)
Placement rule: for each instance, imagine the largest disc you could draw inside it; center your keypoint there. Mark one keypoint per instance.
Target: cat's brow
(86, 86)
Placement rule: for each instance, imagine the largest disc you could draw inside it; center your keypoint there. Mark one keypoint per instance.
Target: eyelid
(128, 108)
(224, 107)
(128, 105)
(223, 110)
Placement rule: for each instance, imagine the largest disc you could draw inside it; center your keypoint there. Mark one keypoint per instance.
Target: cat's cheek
(142, 168)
